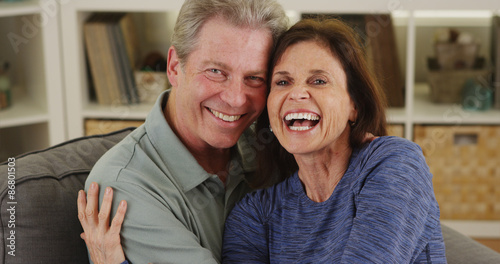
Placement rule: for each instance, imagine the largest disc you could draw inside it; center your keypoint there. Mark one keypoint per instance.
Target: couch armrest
(461, 249)
(40, 225)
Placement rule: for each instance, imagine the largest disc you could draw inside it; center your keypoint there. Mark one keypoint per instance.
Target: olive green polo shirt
(176, 210)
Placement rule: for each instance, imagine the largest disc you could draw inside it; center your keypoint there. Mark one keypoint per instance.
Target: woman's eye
(319, 81)
(281, 83)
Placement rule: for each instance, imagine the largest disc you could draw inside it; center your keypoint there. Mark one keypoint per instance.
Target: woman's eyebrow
(318, 71)
(281, 73)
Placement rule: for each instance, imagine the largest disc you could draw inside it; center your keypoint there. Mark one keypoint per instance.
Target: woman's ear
(353, 115)
(173, 66)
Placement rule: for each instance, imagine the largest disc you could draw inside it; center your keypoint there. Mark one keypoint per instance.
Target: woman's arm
(245, 236)
(101, 238)
(396, 212)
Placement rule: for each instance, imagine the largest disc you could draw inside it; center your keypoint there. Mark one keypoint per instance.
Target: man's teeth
(308, 116)
(227, 118)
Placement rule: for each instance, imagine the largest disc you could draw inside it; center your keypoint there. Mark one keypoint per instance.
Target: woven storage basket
(465, 163)
(396, 130)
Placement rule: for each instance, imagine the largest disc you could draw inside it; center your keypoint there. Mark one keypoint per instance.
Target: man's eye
(255, 81)
(215, 75)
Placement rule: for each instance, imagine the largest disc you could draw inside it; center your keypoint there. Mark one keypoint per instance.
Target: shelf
(8, 9)
(121, 112)
(24, 111)
(470, 18)
(130, 6)
(426, 112)
(396, 115)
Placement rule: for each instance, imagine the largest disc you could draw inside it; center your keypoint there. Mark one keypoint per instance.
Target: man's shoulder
(120, 158)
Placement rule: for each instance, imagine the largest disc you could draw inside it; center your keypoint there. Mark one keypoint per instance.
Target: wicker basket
(396, 130)
(465, 162)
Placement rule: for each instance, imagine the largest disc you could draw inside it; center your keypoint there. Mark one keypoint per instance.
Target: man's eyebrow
(215, 63)
(224, 66)
(257, 73)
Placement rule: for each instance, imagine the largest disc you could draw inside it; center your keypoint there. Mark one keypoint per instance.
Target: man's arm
(150, 232)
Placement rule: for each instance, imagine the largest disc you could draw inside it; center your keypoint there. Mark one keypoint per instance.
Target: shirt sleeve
(151, 233)
(245, 235)
(395, 208)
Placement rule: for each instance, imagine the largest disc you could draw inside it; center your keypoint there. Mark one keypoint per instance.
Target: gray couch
(43, 207)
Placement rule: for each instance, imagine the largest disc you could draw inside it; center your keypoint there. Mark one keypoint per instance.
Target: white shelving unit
(31, 45)
(73, 16)
(412, 20)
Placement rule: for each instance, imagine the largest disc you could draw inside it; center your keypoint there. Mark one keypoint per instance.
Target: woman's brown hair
(275, 163)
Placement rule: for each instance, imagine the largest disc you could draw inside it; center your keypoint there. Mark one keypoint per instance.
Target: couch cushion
(40, 224)
(461, 249)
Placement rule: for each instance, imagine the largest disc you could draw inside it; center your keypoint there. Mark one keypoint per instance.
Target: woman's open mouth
(301, 121)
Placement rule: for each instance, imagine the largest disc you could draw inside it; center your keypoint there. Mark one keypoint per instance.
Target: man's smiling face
(221, 89)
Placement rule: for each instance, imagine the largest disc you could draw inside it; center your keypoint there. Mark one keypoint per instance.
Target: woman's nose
(299, 92)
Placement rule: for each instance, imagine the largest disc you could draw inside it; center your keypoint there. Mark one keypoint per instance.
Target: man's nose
(234, 95)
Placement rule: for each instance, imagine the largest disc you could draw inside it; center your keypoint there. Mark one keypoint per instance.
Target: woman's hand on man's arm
(102, 239)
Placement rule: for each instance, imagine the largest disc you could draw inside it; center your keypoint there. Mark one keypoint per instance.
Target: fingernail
(108, 190)
(93, 186)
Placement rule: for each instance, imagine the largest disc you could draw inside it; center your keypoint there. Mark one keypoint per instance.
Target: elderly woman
(339, 198)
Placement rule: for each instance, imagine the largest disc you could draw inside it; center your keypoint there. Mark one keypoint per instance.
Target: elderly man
(185, 168)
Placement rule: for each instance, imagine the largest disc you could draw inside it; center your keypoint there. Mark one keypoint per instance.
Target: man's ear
(173, 66)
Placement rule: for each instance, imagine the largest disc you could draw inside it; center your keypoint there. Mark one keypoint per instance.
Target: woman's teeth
(308, 116)
(301, 121)
(227, 118)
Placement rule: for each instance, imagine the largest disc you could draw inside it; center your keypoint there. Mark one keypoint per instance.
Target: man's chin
(223, 142)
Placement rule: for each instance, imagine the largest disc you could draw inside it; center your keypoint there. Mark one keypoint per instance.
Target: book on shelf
(377, 36)
(495, 52)
(111, 51)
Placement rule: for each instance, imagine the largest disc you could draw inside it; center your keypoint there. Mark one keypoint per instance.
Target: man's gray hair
(268, 14)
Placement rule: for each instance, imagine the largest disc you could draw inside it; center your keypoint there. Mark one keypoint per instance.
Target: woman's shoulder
(391, 147)
(393, 156)
(393, 143)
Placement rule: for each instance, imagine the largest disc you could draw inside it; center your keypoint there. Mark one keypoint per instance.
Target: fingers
(117, 222)
(105, 208)
(92, 208)
(82, 205)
